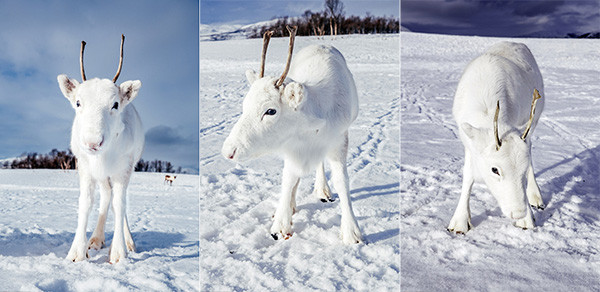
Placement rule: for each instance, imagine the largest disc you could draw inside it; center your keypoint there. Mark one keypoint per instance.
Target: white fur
(506, 72)
(315, 106)
(108, 143)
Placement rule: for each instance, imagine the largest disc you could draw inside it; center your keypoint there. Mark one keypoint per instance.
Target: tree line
(330, 21)
(53, 160)
(156, 166)
(56, 159)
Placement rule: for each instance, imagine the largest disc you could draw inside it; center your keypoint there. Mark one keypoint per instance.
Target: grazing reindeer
(170, 179)
(107, 139)
(304, 119)
(495, 117)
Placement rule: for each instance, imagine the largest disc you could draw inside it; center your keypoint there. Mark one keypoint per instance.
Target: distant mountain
(544, 35)
(402, 28)
(222, 32)
(588, 35)
(549, 34)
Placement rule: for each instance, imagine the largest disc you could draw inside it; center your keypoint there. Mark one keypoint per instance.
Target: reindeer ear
(471, 131)
(293, 94)
(479, 136)
(251, 76)
(129, 90)
(67, 86)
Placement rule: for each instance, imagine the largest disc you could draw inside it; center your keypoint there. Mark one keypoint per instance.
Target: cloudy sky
(41, 39)
(501, 18)
(247, 12)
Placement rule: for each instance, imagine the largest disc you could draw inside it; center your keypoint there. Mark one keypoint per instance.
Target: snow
(228, 31)
(38, 217)
(562, 252)
(237, 201)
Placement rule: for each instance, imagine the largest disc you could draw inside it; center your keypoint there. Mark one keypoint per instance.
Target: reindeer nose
(94, 146)
(228, 151)
(230, 156)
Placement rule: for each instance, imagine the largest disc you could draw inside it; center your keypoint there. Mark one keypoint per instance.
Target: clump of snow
(38, 217)
(562, 252)
(237, 201)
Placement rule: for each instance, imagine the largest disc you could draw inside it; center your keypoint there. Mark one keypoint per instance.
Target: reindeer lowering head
(271, 113)
(504, 163)
(99, 106)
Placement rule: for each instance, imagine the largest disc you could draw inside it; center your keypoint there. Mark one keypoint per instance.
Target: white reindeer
(495, 115)
(304, 119)
(107, 139)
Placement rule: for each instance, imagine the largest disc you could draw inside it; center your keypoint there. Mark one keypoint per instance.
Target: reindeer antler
(266, 38)
(289, 58)
(536, 96)
(81, 61)
(120, 60)
(498, 142)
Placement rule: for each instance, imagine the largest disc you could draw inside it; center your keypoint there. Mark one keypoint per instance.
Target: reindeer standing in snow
(304, 119)
(169, 179)
(495, 117)
(107, 139)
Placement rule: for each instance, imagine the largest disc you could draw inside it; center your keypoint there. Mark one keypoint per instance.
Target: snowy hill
(562, 253)
(231, 31)
(38, 217)
(237, 251)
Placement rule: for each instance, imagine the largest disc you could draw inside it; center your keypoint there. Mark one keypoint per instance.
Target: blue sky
(247, 12)
(41, 39)
(502, 18)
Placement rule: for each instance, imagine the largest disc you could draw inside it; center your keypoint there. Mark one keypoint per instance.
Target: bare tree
(315, 23)
(335, 10)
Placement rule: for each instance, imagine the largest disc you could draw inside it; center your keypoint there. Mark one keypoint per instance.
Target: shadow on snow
(18, 244)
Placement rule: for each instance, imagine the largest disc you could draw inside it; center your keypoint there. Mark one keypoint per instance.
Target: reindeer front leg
(78, 251)
(118, 250)
(339, 176)
(322, 191)
(97, 240)
(461, 221)
(534, 196)
(128, 238)
(282, 220)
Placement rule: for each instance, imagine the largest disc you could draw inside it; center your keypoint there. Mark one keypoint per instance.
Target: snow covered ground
(563, 252)
(237, 201)
(38, 217)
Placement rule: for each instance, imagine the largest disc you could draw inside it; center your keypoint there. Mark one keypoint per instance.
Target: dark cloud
(182, 148)
(534, 8)
(163, 135)
(501, 18)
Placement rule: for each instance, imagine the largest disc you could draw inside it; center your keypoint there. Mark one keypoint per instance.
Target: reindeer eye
(116, 105)
(270, 112)
(495, 171)
(78, 104)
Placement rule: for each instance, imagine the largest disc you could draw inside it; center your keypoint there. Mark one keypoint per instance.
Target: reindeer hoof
(324, 200)
(274, 235)
(455, 232)
(540, 207)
